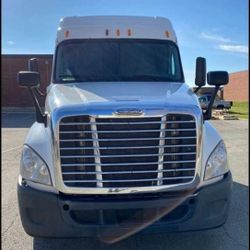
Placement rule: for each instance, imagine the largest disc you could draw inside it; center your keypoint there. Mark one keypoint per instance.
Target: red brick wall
(12, 94)
(237, 88)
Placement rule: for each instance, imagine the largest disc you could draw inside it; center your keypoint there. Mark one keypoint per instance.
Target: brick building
(12, 94)
(238, 87)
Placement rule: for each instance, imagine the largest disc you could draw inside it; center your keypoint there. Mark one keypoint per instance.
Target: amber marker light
(66, 33)
(167, 34)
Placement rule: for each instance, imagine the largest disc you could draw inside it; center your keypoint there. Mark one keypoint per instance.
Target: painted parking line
(10, 149)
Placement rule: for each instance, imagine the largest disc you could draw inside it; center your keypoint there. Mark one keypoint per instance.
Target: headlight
(33, 168)
(217, 162)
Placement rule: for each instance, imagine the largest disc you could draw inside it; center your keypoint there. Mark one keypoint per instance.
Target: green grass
(239, 109)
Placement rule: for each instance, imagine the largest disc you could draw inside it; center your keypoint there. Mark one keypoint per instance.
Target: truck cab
(123, 144)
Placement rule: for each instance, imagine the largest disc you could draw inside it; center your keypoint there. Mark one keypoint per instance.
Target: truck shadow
(233, 235)
(17, 120)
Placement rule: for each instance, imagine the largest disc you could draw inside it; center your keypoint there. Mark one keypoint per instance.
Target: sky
(214, 29)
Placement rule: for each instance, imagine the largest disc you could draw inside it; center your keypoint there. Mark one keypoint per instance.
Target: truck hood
(119, 93)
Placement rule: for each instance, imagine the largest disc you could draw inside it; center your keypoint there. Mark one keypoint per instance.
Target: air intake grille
(127, 152)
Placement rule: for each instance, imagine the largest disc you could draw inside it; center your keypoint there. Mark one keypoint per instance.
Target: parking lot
(233, 235)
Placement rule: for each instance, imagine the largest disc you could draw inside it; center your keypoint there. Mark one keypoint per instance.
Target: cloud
(11, 42)
(215, 37)
(234, 48)
(224, 44)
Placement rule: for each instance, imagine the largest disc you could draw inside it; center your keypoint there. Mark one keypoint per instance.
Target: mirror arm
(38, 91)
(40, 117)
(197, 89)
(208, 113)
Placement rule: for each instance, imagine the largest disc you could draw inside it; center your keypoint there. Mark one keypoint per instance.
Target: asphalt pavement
(233, 235)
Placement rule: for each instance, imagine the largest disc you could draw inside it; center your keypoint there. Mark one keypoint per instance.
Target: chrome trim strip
(161, 150)
(161, 155)
(121, 123)
(126, 112)
(124, 164)
(131, 139)
(103, 148)
(98, 166)
(131, 131)
(131, 172)
(130, 180)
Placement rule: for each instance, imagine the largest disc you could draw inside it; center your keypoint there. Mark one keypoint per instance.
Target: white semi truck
(122, 137)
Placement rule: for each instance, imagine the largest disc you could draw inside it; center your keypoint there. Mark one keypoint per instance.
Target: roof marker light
(129, 32)
(118, 32)
(66, 33)
(167, 34)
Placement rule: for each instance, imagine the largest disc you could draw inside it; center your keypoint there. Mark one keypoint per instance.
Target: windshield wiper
(146, 78)
(68, 78)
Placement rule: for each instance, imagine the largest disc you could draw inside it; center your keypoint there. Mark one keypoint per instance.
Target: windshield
(117, 60)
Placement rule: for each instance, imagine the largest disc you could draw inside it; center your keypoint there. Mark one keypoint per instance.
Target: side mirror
(200, 72)
(33, 64)
(217, 78)
(29, 79)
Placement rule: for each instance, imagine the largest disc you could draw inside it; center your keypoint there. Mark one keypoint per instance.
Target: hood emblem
(128, 111)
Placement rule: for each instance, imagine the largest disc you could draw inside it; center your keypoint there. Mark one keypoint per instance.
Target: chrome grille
(127, 152)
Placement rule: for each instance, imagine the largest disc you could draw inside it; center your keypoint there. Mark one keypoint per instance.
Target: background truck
(123, 144)
(217, 104)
